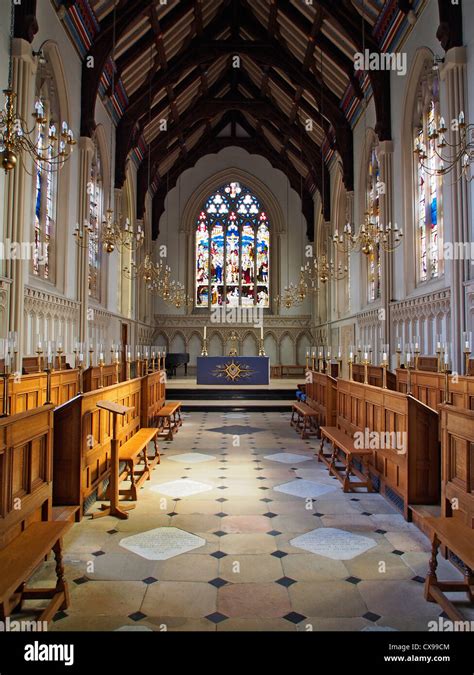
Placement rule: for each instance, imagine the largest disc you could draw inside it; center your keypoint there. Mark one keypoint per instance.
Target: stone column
(18, 207)
(86, 154)
(453, 73)
(385, 157)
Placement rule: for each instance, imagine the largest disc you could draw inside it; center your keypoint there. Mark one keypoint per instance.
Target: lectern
(115, 509)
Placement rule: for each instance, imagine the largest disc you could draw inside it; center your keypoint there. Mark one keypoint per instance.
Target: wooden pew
(304, 419)
(374, 376)
(429, 388)
(457, 464)
(169, 419)
(27, 531)
(82, 441)
(153, 397)
(29, 391)
(321, 396)
(406, 476)
(92, 379)
(459, 539)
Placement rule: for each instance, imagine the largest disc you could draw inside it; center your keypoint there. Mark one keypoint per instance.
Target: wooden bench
(459, 539)
(133, 452)
(169, 419)
(306, 421)
(340, 461)
(20, 559)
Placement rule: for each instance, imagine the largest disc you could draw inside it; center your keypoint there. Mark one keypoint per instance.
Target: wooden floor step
(65, 513)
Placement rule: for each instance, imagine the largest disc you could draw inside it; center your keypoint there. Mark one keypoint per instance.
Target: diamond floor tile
(287, 458)
(304, 488)
(333, 543)
(162, 543)
(181, 488)
(192, 458)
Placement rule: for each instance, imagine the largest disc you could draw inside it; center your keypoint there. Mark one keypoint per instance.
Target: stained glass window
(232, 250)
(374, 271)
(45, 195)
(428, 185)
(95, 190)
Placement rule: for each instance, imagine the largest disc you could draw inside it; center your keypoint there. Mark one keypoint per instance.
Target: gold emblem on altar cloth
(233, 371)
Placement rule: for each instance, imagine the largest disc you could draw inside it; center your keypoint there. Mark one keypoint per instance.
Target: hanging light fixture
(178, 296)
(323, 268)
(44, 143)
(112, 234)
(370, 235)
(451, 156)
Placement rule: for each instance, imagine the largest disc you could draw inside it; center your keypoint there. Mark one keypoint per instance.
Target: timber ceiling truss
(236, 72)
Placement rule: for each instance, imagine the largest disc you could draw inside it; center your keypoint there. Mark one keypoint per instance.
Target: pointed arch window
(232, 254)
(95, 189)
(427, 188)
(374, 271)
(45, 185)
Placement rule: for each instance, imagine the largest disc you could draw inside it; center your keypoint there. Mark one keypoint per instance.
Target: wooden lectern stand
(116, 508)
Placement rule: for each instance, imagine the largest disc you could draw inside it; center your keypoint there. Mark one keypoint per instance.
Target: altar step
(235, 405)
(203, 393)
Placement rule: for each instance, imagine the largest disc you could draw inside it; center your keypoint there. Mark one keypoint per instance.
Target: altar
(233, 370)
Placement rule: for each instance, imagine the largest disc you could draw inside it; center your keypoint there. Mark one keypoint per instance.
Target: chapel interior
(237, 314)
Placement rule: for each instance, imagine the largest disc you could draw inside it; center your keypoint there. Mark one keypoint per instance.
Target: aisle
(262, 539)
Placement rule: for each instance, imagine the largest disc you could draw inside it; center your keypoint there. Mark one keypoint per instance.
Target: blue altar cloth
(233, 370)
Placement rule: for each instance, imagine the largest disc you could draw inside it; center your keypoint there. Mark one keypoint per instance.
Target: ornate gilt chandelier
(323, 270)
(461, 153)
(46, 143)
(369, 236)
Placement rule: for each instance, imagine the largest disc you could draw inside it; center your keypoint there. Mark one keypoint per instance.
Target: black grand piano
(174, 361)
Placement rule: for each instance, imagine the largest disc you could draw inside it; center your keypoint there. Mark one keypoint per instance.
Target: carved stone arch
(178, 333)
(212, 335)
(284, 334)
(268, 199)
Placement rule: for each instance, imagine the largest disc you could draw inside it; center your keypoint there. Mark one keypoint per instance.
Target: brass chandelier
(44, 143)
(323, 270)
(461, 153)
(368, 238)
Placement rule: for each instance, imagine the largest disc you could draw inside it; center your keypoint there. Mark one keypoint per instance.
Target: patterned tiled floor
(236, 532)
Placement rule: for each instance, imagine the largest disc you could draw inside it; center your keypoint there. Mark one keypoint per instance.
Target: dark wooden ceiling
(290, 100)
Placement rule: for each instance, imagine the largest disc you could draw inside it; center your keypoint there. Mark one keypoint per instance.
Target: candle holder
(313, 361)
(350, 363)
(408, 366)
(327, 368)
(91, 357)
(80, 368)
(101, 373)
(447, 395)
(60, 352)
(261, 348)
(204, 347)
(6, 395)
(39, 353)
(321, 361)
(365, 363)
(128, 365)
(116, 363)
(417, 352)
(467, 349)
(307, 361)
(48, 385)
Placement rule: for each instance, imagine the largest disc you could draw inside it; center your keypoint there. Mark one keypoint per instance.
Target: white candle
(351, 356)
(261, 332)
(384, 356)
(467, 345)
(438, 346)
(307, 355)
(366, 356)
(446, 358)
(417, 347)
(205, 332)
(81, 357)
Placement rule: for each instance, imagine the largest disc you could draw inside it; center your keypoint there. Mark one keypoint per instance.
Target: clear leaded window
(232, 250)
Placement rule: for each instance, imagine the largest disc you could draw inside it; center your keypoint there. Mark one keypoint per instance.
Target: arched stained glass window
(374, 271)
(45, 189)
(428, 215)
(232, 250)
(95, 189)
